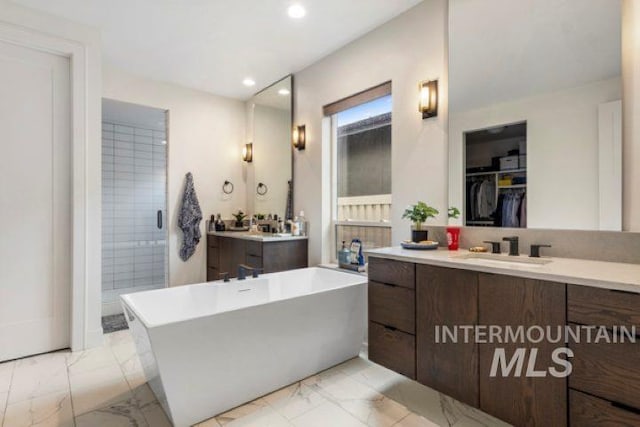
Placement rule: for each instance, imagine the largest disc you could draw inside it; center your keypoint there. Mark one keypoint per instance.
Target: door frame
(30, 29)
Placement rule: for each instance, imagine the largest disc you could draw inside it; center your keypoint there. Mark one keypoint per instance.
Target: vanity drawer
(392, 272)
(393, 349)
(213, 257)
(610, 371)
(213, 241)
(392, 305)
(254, 248)
(602, 307)
(588, 411)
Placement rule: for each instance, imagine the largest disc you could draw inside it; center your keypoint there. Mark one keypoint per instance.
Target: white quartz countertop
(600, 274)
(258, 237)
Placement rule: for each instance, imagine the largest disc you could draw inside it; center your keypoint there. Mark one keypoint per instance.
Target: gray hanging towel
(189, 219)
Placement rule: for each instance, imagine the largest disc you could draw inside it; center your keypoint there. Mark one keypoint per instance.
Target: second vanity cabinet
(225, 254)
(605, 383)
(407, 301)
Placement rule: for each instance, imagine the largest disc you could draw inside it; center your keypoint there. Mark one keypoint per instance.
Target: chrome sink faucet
(513, 245)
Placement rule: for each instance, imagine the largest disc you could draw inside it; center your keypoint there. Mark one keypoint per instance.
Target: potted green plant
(418, 214)
(240, 216)
(453, 231)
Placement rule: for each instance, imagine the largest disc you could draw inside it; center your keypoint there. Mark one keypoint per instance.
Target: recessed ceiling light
(249, 82)
(296, 11)
(284, 92)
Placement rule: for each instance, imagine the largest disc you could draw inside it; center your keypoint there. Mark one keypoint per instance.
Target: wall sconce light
(299, 137)
(247, 153)
(428, 98)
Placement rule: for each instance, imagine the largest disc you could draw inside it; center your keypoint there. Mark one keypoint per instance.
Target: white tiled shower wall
(134, 249)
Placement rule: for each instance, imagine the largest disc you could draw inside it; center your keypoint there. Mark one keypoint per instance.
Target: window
(361, 148)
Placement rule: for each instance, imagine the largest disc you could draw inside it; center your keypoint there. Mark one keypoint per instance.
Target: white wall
(206, 133)
(271, 159)
(61, 36)
(631, 114)
(562, 152)
(406, 50)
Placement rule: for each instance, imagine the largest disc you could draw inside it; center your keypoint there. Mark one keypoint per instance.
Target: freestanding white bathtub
(210, 347)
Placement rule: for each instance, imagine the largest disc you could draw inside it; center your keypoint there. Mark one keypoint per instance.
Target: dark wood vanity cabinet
(225, 254)
(605, 382)
(522, 400)
(392, 322)
(447, 298)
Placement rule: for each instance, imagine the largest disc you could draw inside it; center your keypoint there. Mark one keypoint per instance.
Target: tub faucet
(242, 271)
(513, 245)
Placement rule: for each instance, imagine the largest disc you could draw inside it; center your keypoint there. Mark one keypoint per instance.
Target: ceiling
(212, 45)
(501, 50)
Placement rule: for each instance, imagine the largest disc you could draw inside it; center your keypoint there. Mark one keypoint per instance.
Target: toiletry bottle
(356, 252)
(295, 227)
(302, 221)
(344, 255)
(218, 224)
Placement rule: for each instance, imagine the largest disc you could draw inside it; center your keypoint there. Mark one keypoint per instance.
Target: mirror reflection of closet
(496, 176)
(555, 65)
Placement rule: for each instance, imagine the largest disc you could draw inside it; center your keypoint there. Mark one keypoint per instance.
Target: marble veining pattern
(105, 387)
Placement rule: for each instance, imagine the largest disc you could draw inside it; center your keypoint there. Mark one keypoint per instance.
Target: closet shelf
(504, 172)
(513, 186)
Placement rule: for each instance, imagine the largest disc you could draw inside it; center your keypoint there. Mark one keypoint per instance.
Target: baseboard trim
(111, 308)
(94, 338)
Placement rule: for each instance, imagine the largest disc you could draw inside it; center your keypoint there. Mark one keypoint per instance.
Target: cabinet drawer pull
(625, 407)
(390, 285)
(390, 328)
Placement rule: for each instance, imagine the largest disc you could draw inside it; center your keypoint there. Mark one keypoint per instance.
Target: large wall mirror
(270, 178)
(535, 113)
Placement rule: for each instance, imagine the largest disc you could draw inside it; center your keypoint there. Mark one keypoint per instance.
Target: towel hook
(227, 187)
(262, 189)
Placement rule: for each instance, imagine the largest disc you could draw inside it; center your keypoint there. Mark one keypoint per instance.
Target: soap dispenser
(344, 255)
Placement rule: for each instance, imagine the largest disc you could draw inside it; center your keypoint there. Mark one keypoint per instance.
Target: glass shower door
(134, 232)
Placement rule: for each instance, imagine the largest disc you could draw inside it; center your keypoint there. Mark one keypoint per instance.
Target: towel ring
(227, 187)
(262, 189)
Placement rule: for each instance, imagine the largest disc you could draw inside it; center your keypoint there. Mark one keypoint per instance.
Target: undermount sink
(486, 258)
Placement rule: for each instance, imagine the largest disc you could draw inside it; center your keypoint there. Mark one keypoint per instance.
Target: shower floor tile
(114, 323)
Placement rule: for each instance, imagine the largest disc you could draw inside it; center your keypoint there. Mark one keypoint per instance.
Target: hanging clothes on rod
(481, 198)
(511, 211)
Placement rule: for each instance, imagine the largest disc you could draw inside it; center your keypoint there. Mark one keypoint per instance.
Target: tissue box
(509, 162)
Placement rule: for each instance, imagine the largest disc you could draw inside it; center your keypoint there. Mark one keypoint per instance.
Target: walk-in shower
(134, 199)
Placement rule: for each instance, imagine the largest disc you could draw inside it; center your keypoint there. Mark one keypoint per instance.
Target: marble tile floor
(105, 387)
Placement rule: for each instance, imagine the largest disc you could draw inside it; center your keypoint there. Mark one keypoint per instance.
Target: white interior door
(35, 202)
